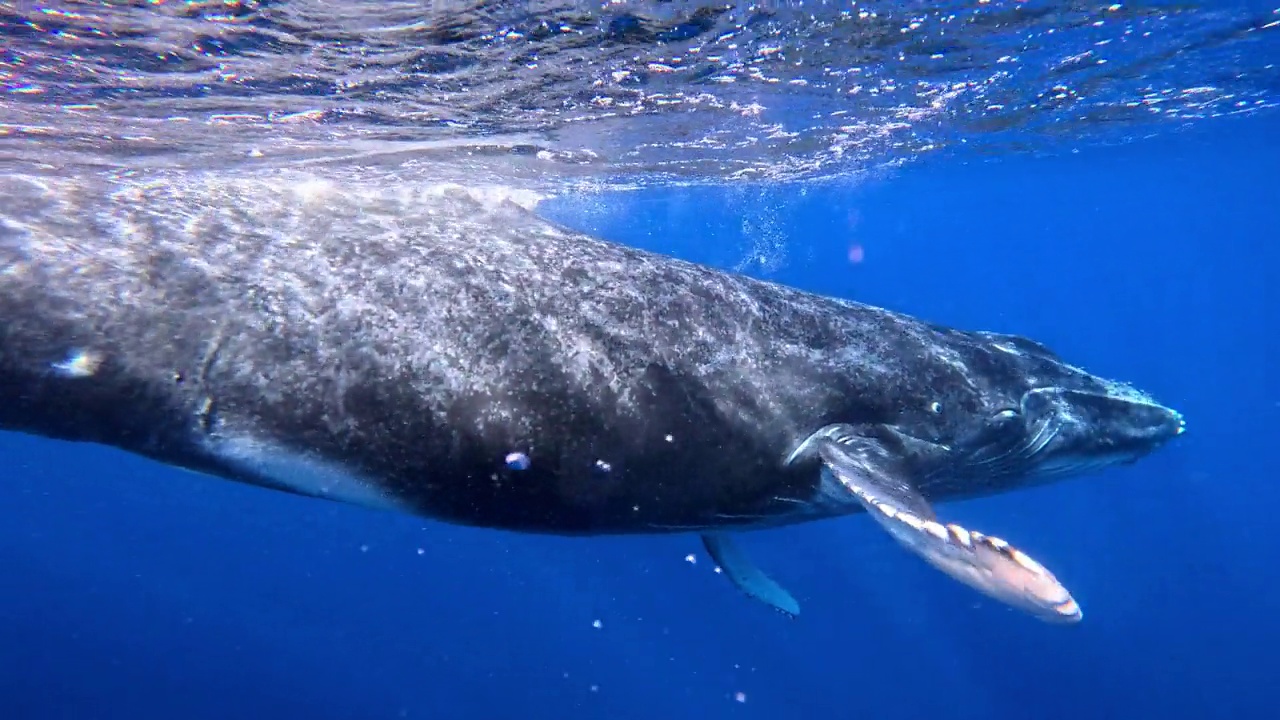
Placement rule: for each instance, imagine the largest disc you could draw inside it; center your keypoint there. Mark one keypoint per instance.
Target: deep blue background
(135, 591)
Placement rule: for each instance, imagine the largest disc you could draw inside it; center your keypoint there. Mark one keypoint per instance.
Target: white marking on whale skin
(304, 474)
(937, 530)
(961, 534)
(79, 364)
(949, 357)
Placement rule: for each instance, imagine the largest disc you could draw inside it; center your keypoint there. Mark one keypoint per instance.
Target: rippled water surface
(548, 92)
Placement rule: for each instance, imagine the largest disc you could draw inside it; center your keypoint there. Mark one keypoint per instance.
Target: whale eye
(1006, 414)
(935, 407)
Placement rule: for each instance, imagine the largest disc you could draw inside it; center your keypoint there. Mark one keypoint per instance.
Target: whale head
(1042, 418)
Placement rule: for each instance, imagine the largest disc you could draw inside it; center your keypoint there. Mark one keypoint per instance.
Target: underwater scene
(637, 359)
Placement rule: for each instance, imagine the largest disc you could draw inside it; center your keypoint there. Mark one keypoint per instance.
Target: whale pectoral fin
(746, 576)
(985, 563)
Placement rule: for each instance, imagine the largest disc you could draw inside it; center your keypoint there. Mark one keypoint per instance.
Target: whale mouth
(1019, 450)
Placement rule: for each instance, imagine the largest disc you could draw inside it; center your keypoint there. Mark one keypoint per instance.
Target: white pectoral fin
(985, 563)
(746, 576)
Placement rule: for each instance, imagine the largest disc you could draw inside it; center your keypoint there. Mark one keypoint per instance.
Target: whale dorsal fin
(983, 562)
(746, 576)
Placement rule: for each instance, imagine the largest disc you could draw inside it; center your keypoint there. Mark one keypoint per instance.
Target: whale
(444, 351)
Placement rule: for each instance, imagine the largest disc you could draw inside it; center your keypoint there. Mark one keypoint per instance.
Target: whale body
(437, 352)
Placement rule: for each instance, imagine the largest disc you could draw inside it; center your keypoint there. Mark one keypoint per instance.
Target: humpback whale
(437, 351)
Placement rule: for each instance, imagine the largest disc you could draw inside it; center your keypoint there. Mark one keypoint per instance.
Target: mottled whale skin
(392, 347)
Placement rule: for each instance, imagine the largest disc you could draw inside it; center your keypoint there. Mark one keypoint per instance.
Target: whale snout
(1126, 419)
(1157, 423)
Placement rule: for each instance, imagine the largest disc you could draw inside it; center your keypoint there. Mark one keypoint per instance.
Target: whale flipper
(983, 562)
(746, 576)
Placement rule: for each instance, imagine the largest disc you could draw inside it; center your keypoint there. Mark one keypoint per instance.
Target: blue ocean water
(962, 163)
(136, 591)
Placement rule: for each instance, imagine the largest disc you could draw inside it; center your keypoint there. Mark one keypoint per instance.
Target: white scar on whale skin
(304, 474)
